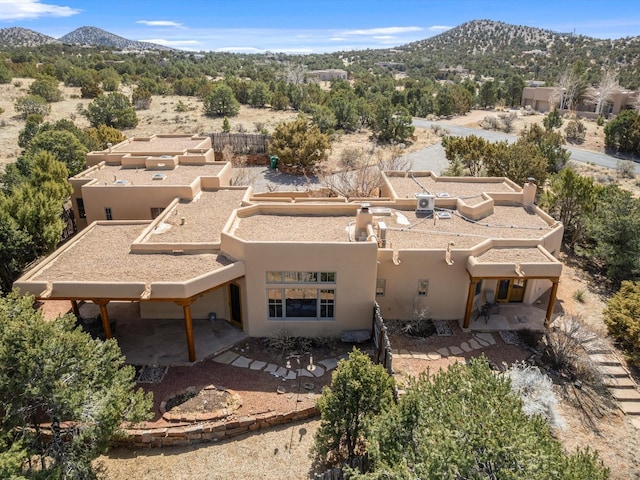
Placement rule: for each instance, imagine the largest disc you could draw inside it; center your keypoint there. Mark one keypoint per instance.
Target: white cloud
(439, 28)
(337, 39)
(384, 37)
(383, 31)
(31, 9)
(172, 43)
(160, 23)
(239, 49)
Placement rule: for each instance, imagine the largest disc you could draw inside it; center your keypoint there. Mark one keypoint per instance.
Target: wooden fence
(242, 143)
(381, 341)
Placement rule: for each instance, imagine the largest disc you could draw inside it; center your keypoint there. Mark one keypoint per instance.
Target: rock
(355, 336)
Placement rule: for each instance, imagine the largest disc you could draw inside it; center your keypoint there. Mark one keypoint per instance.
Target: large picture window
(301, 301)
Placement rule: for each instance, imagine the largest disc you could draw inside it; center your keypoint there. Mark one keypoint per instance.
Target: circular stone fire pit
(200, 404)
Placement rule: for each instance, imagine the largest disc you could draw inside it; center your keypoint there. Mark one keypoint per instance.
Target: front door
(510, 290)
(235, 305)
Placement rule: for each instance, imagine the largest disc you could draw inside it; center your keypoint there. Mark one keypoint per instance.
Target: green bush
(29, 104)
(575, 131)
(622, 317)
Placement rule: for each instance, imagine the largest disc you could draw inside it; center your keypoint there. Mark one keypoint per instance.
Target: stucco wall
(129, 202)
(447, 291)
(355, 268)
(215, 301)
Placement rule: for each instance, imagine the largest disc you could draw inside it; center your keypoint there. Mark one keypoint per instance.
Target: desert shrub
(507, 120)
(626, 168)
(578, 296)
(622, 317)
(575, 131)
(47, 88)
(489, 123)
(29, 104)
(600, 121)
(552, 120)
(536, 391)
(181, 107)
(141, 98)
(563, 350)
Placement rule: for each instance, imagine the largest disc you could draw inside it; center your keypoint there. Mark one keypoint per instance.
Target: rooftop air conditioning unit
(425, 203)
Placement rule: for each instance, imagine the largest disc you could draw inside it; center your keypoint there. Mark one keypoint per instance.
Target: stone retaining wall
(187, 434)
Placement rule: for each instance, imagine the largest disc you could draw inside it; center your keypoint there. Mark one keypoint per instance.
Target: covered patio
(521, 275)
(161, 342)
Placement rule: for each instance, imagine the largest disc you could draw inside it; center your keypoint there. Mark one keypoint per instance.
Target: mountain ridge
(23, 37)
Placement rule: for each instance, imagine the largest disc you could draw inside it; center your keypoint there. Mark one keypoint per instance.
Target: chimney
(529, 192)
(364, 217)
(382, 234)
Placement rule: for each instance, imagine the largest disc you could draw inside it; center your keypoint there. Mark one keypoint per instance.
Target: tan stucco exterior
(540, 100)
(211, 239)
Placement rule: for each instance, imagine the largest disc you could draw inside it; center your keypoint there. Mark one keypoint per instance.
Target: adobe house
(540, 100)
(427, 245)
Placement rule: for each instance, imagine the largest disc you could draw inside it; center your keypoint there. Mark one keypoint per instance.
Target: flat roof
(514, 255)
(407, 187)
(204, 218)
(264, 227)
(159, 144)
(103, 254)
(180, 175)
(405, 228)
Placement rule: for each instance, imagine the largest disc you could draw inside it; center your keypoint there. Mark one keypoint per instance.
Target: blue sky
(310, 26)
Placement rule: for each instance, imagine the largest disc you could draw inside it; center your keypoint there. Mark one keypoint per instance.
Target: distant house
(540, 99)
(328, 75)
(166, 231)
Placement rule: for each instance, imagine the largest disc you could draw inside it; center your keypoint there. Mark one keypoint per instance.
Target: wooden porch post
(75, 308)
(104, 315)
(188, 325)
(552, 301)
(470, 295)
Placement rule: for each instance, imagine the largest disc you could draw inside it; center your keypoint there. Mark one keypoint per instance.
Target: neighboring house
(314, 266)
(329, 75)
(540, 99)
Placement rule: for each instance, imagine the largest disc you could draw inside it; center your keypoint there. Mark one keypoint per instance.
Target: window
(327, 303)
(423, 287)
(156, 211)
(478, 288)
(81, 212)
(275, 303)
(301, 277)
(107, 213)
(303, 301)
(381, 284)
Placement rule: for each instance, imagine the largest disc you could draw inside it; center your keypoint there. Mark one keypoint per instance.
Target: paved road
(432, 158)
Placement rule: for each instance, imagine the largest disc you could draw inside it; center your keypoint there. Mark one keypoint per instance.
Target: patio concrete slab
(465, 347)
(257, 365)
(443, 351)
(474, 344)
(625, 394)
(281, 372)
(226, 357)
(455, 350)
(329, 363)
(163, 342)
(437, 356)
(271, 368)
(242, 362)
(486, 337)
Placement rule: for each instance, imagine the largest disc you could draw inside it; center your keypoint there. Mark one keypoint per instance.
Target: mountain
(97, 36)
(23, 37)
(491, 48)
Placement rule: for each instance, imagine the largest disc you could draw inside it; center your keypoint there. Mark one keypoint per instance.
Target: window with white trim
(302, 301)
